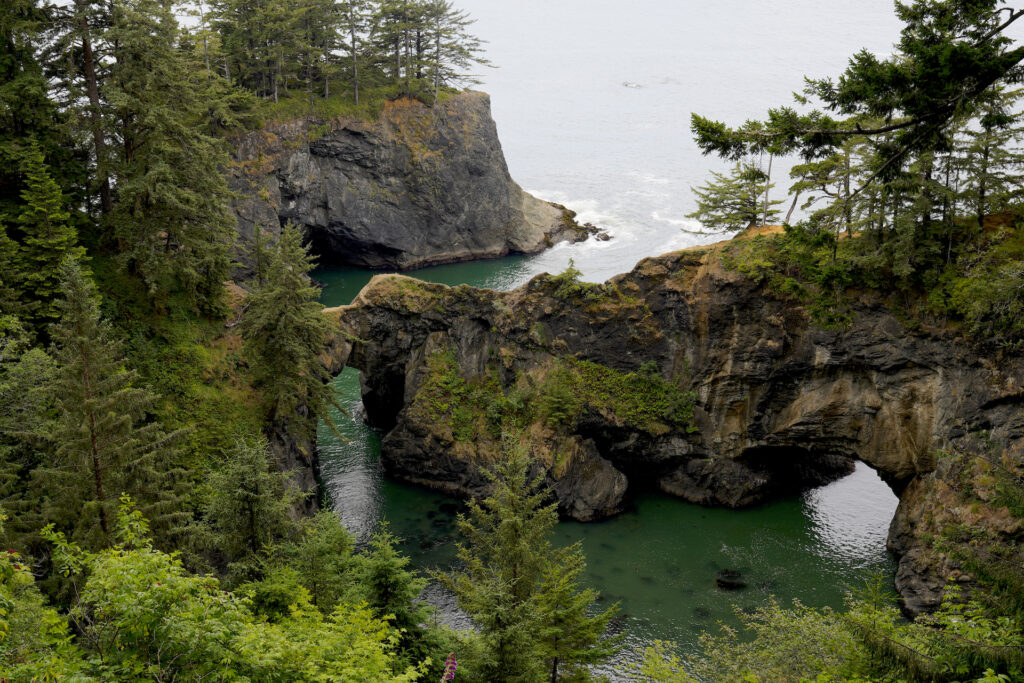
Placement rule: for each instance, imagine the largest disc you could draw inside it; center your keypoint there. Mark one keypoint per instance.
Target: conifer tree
(26, 415)
(571, 638)
(250, 504)
(450, 49)
(392, 588)
(46, 239)
(324, 560)
(520, 590)
(355, 16)
(106, 443)
(734, 202)
(172, 220)
(9, 300)
(284, 331)
(992, 155)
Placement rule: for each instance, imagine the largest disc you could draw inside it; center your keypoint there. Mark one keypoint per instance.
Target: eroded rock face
(754, 401)
(418, 187)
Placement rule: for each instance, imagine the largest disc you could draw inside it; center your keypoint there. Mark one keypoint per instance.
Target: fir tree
(571, 637)
(106, 442)
(324, 560)
(520, 590)
(284, 331)
(392, 588)
(451, 49)
(992, 156)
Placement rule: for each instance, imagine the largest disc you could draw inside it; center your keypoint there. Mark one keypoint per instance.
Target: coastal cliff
(419, 186)
(681, 375)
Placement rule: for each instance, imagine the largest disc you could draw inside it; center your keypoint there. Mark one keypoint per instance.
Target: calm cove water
(592, 100)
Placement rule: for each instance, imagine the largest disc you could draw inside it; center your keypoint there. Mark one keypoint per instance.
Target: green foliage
(172, 221)
(249, 505)
(373, 49)
(392, 591)
(105, 443)
(735, 201)
(521, 591)
(284, 332)
(467, 407)
(142, 616)
(960, 640)
(323, 559)
(948, 56)
(45, 238)
(642, 399)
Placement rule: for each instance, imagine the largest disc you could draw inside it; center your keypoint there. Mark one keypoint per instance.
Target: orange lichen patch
(759, 231)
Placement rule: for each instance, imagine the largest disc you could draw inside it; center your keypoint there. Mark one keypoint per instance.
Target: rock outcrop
(417, 187)
(680, 374)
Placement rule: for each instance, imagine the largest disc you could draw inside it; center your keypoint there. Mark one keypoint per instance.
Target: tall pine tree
(172, 219)
(106, 441)
(46, 240)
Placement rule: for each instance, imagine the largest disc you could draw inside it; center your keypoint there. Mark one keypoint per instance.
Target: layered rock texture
(681, 375)
(419, 186)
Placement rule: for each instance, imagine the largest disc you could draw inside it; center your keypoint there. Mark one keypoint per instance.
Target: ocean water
(592, 100)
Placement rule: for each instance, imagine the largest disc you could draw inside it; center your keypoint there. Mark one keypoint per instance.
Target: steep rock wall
(419, 186)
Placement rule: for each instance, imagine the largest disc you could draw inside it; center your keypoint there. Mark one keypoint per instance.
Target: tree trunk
(355, 57)
(792, 207)
(94, 453)
(767, 187)
(93, 92)
(982, 184)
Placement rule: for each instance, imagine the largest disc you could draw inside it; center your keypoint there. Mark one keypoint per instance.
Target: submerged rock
(419, 186)
(730, 580)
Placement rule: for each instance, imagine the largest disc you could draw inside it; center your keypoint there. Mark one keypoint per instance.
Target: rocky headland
(418, 186)
(682, 375)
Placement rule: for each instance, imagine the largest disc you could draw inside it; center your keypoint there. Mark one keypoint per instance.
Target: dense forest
(145, 399)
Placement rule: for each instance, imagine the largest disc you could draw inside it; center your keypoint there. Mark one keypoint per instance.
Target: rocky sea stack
(681, 375)
(419, 186)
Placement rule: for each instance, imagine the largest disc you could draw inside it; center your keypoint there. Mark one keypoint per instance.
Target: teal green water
(659, 560)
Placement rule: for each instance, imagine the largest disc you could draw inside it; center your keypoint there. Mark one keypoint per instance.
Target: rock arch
(774, 397)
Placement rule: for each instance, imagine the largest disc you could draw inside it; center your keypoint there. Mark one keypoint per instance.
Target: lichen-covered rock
(419, 186)
(680, 374)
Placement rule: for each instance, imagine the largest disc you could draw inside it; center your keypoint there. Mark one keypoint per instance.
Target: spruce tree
(324, 560)
(46, 237)
(734, 202)
(450, 49)
(520, 590)
(992, 156)
(571, 637)
(284, 331)
(106, 440)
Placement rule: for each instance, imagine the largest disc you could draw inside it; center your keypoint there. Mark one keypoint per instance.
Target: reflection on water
(850, 517)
